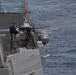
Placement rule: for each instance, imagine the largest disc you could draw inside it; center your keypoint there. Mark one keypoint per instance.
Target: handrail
(1, 52)
(5, 8)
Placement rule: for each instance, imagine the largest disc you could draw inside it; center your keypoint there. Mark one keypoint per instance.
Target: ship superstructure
(27, 55)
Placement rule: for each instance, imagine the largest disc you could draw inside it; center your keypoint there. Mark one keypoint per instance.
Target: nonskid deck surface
(5, 22)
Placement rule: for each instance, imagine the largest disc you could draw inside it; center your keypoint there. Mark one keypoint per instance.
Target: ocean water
(58, 18)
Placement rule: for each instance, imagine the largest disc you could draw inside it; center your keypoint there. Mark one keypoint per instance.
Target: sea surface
(58, 18)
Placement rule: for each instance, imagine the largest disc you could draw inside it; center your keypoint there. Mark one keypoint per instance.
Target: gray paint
(25, 61)
(4, 71)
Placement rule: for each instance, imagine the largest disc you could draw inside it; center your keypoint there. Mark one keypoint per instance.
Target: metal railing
(16, 7)
(1, 52)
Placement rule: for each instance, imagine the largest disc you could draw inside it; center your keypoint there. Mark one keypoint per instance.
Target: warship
(27, 55)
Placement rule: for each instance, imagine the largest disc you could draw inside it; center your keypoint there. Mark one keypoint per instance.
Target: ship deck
(5, 22)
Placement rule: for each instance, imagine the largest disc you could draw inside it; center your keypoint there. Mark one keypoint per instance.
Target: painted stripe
(2, 34)
(3, 30)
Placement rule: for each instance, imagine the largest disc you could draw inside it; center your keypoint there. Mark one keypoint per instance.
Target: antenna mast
(26, 10)
(26, 3)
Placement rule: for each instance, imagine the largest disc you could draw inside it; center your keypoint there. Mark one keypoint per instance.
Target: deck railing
(11, 6)
(1, 53)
